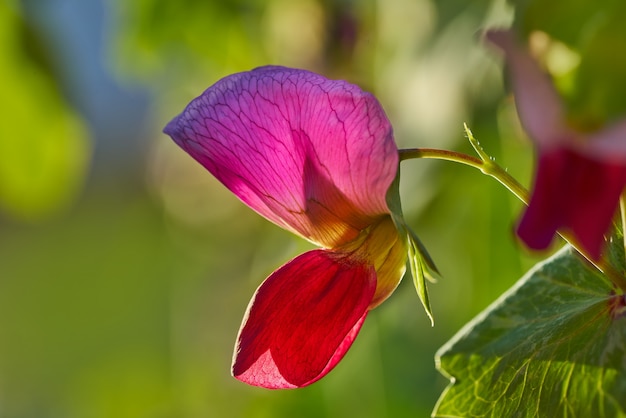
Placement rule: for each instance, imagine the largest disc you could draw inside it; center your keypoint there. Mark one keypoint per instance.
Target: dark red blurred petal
(302, 320)
(575, 192)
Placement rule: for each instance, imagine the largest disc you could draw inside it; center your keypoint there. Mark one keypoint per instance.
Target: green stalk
(487, 166)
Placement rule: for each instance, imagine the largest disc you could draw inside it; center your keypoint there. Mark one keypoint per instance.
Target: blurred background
(125, 268)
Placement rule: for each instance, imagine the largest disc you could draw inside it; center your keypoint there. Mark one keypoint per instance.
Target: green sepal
(419, 273)
(420, 262)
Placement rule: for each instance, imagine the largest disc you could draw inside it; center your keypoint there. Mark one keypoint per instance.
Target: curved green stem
(487, 166)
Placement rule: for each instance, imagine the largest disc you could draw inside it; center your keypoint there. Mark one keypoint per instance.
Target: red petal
(302, 320)
(575, 192)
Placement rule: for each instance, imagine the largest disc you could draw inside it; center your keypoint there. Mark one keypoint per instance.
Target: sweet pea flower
(316, 157)
(580, 176)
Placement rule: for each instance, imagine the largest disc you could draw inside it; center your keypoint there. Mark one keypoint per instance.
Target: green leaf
(553, 346)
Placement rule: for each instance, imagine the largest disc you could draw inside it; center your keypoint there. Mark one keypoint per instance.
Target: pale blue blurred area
(77, 34)
(127, 304)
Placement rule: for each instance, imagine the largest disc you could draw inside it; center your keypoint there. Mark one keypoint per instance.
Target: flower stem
(488, 166)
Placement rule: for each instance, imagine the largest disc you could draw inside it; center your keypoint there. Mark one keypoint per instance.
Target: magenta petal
(302, 320)
(574, 192)
(313, 155)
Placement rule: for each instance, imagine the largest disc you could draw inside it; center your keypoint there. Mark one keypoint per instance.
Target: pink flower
(580, 176)
(316, 157)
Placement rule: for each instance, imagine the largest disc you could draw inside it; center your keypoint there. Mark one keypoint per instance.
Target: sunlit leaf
(554, 345)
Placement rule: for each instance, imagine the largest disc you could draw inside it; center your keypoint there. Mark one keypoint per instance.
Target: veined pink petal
(302, 320)
(538, 103)
(575, 192)
(313, 155)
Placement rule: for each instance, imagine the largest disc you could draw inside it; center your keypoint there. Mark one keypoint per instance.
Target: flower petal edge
(302, 320)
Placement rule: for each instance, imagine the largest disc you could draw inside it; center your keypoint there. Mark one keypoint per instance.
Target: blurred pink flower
(579, 176)
(316, 157)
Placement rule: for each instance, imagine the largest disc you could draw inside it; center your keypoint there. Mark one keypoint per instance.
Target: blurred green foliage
(160, 38)
(128, 302)
(595, 31)
(44, 145)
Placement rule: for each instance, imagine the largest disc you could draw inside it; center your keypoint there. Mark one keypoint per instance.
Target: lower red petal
(575, 192)
(302, 320)
(546, 211)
